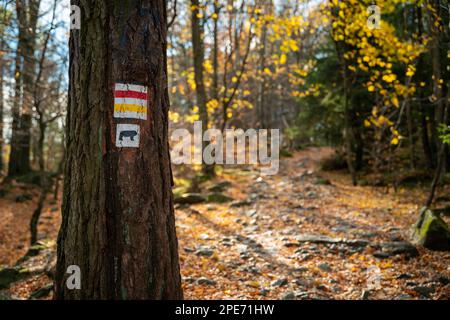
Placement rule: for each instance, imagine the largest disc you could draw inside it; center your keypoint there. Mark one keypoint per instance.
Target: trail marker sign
(127, 136)
(130, 101)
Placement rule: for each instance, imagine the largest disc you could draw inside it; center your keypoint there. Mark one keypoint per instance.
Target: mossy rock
(11, 275)
(431, 231)
(285, 153)
(221, 186)
(32, 252)
(322, 181)
(41, 292)
(217, 197)
(190, 198)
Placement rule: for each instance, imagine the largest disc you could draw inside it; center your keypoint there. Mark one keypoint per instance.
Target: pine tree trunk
(118, 218)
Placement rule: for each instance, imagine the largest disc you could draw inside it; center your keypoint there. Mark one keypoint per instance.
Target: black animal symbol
(128, 134)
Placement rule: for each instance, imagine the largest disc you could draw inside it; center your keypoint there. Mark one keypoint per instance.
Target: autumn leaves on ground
(302, 234)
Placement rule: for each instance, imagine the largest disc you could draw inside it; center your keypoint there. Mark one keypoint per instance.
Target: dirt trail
(254, 247)
(256, 251)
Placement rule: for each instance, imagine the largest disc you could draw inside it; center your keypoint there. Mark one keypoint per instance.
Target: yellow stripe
(130, 107)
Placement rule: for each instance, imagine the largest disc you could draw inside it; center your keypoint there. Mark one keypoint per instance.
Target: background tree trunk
(27, 16)
(199, 57)
(1, 106)
(118, 219)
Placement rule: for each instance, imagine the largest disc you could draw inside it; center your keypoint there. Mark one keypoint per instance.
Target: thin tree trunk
(1, 107)
(215, 85)
(426, 145)
(439, 113)
(412, 146)
(118, 219)
(199, 57)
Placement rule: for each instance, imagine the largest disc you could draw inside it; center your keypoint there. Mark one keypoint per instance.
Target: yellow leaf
(394, 141)
(395, 101)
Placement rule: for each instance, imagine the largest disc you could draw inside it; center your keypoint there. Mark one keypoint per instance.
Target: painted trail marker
(127, 136)
(130, 101)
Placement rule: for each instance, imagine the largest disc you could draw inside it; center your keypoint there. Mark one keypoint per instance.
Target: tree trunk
(439, 113)
(1, 107)
(27, 15)
(199, 57)
(118, 219)
(215, 85)
(426, 145)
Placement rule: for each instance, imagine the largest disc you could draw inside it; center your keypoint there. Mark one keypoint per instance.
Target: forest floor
(300, 234)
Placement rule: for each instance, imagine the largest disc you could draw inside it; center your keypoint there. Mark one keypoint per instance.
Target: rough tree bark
(118, 220)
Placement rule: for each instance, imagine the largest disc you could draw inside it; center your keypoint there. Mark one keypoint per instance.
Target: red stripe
(130, 94)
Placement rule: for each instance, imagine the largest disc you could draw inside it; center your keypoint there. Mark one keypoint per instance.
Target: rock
(328, 240)
(205, 281)
(365, 294)
(443, 279)
(404, 276)
(42, 292)
(301, 294)
(324, 267)
(322, 181)
(190, 198)
(301, 282)
(389, 249)
(263, 292)
(204, 236)
(381, 255)
(238, 204)
(251, 213)
(311, 195)
(10, 275)
(431, 231)
(220, 187)
(189, 279)
(204, 251)
(403, 297)
(288, 296)
(218, 198)
(279, 283)
(24, 197)
(36, 249)
(424, 291)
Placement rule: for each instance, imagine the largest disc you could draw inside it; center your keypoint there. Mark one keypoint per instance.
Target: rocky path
(305, 234)
(300, 234)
